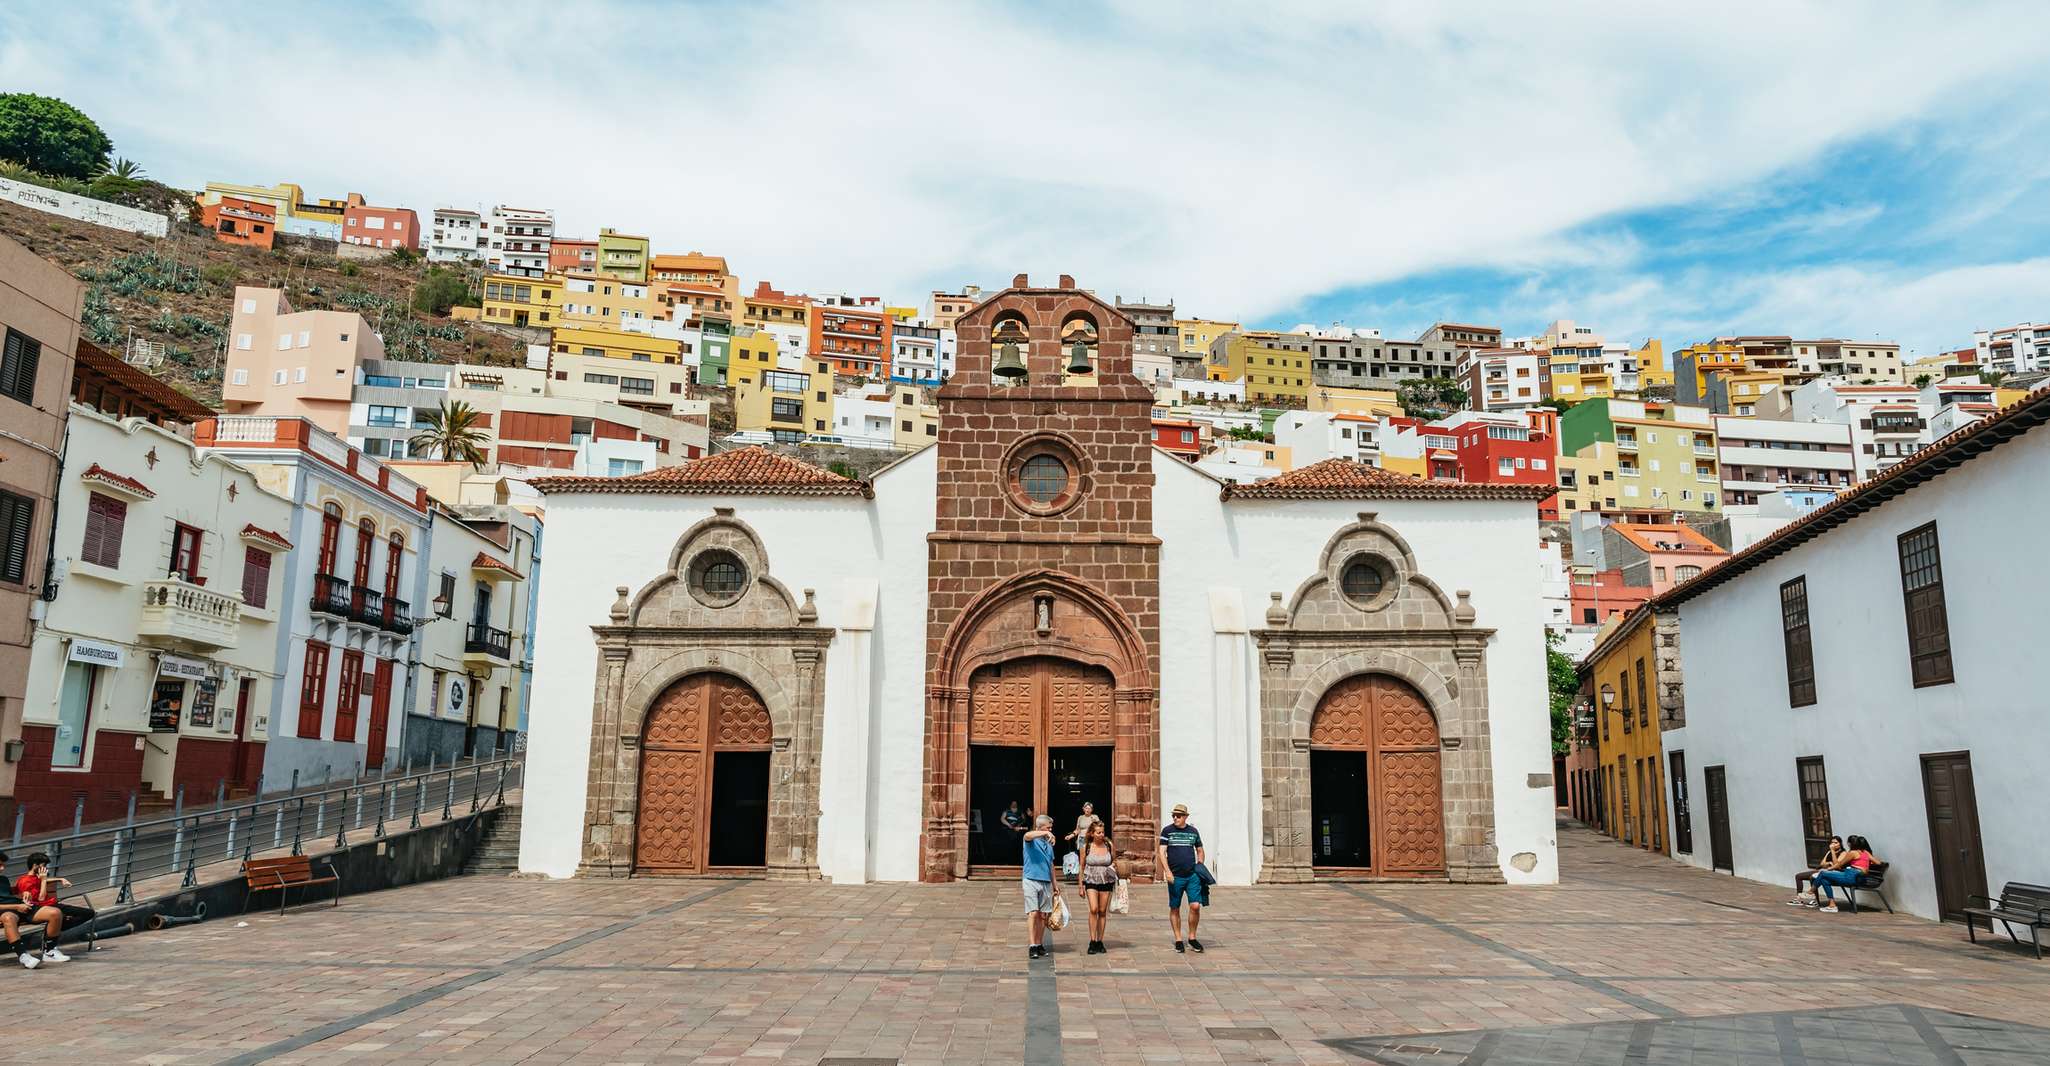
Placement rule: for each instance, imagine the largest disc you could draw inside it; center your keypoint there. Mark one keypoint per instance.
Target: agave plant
(452, 433)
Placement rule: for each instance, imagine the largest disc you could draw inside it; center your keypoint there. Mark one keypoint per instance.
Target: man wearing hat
(1181, 853)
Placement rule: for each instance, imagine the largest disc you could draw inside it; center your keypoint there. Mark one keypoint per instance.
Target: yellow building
(1340, 400)
(696, 269)
(791, 399)
(617, 344)
(511, 300)
(1701, 362)
(599, 300)
(1272, 371)
(751, 351)
(1652, 371)
(917, 421)
(1578, 377)
(1746, 387)
(1199, 333)
(1619, 682)
(622, 256)
(1625, 455)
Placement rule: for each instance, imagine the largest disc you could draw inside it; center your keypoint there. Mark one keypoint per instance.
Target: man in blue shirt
(1038, 881)
(1181, 851)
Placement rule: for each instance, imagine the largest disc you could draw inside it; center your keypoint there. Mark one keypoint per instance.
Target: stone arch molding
(663, 634)
(1415, 633)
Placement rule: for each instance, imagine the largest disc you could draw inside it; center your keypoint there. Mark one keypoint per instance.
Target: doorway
(1039, 732)
(1719, 851)
(1683, 821)
(700, 808)
(1957, 855)
(1390, 731)
(1341, 831)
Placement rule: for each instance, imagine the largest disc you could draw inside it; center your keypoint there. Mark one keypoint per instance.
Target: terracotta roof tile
(256, 532)
(753, 471)
(486, 562)
(101, 474)
(1344, 479)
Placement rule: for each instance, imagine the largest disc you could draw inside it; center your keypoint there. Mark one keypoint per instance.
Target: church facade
(747, 665)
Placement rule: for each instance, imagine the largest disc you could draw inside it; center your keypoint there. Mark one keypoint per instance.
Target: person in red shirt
(15, 912)
(38, 889)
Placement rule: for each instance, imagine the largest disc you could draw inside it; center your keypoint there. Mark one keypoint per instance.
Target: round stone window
(1367, 580)
(717, 577)
(1043, 479)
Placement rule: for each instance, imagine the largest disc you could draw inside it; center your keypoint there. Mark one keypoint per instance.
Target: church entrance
(1376, 791)
(704, 789)
(1039, 733)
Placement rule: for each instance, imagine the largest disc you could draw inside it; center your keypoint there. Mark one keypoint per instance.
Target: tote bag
(1121, 897)
(1057, 919)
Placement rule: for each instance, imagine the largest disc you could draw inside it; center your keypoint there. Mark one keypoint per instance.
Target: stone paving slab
(1633, 958)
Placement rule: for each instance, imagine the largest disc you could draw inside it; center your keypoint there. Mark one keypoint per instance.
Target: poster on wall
(455, 698)
(167, 704)
(203, 695)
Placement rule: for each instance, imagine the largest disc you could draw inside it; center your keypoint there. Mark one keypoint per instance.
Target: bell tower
(1043, 563)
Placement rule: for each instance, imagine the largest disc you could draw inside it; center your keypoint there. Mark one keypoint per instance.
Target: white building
(1887, 422)
(2018, 349)
(1859, 673)
(1750, 523)
(346, 599)
(1860, 362)
(464, 678)
(1313, 436)
(157, 663)
(915, 353)
(1504, 379)
(806, 639)
(519, 241)
(455, 236)
(1759, 456)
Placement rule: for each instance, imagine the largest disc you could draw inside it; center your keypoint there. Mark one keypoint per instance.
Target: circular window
(1365, 580)
(717, 577)
(1043, 479)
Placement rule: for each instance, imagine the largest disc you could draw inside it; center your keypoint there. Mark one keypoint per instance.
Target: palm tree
(126, 168)
(452, 433)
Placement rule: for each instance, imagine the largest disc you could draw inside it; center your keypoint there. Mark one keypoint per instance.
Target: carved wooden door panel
(1078, 704)
(1410, 788)
(1004, 706)
(689, 720)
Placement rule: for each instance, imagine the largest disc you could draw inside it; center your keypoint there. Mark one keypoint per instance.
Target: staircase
(499, 852)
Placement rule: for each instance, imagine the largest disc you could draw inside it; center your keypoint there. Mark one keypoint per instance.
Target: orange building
(572, 257)
(697, 270)
(237, 221)
(379, 227)
(856, 340)
(1661, 556)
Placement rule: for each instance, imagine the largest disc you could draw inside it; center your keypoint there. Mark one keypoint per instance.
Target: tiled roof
(1344, 479)
(1954, 450)
(486, 562)
(101, 474)
(256, 532)
(1663, 537)
(753, 471)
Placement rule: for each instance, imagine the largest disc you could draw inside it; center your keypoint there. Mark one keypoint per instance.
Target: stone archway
(702, 729)
(1384, 726)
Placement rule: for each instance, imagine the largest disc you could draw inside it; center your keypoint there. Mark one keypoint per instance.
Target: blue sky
(1853, 169)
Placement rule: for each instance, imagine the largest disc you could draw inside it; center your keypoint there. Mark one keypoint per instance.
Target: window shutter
(18, 367)
(255, 576)
(17, 515)
(105, 520)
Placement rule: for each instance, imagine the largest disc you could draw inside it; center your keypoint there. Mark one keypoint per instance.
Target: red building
(238, 221)
(856, 339)
(1496, 452)
(1597, 594)
(379, 227)
(1181, 437)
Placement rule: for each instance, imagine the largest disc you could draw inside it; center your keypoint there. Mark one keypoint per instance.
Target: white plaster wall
(84, 208)
(1870, 724)
(1260, 547)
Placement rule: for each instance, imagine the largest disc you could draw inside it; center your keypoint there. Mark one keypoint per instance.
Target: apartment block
(1354, 357)
(466, 681)
(698, 270)
(1505, 379)
(293, 364)
(1759, 456)
(608, 302)
(946, 307)
(915, 354)
(854, 335)
(770, 306)
(1495, 449)
(519, 241)
(234, 220)
(2023, 348)
(1624, 454)
(567, 256)
(1275, 367)
(380, 227)
(789, 402)
(522, 300)
(622, 256)
(1155, 339)
(1462, 336)
(456, 236)
(1196, 337)
(1887, 423)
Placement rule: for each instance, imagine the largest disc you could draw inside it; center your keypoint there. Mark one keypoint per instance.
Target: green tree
(1564, 680)
(1992, 377)
(126, 170)
(48, 135)
(442, 289)
(453, 433)
(1430, 399)
(1922, 381)
(1557, 403)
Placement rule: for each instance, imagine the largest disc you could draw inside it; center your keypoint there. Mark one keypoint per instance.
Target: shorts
(1038, 896)
(1190, 885)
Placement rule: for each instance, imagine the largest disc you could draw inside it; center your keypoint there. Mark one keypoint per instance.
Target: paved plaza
(1632, 959)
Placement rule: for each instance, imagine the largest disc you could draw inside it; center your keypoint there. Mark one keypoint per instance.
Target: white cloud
(1237, 159)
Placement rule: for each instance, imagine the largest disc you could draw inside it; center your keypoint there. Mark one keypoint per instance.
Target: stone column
(611, 796)
(1284, 761)
(794, 828)
(1469, 782)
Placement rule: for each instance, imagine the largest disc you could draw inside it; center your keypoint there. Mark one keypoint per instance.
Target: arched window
(1010, 345)
(366, 542)
(330, 537)
(395, 559)
(1080, 344)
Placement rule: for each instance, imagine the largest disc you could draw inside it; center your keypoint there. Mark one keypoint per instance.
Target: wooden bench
(1873, 880)
(2023, 905)
(282, 874)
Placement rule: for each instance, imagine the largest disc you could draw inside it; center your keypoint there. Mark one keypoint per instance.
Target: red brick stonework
(1088, 553)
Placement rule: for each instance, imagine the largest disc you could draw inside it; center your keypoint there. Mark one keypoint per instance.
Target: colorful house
(1620, 684)
(234, 220)
(1621, 454)
(513, 300)
(622, 256)
(380, 227)
(612, 343)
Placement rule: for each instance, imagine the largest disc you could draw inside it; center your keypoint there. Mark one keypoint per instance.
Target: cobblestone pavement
(1632, 959)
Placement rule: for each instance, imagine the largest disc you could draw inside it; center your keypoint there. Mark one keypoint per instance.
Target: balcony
(488, 643)
(398, 616)
(331, 595)
(176, 609)
(1626, 444)
(366, 607)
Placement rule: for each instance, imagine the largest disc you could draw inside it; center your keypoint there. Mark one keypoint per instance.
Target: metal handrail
(138, 850)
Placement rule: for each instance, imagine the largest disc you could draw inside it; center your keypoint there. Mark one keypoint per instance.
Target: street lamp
(1608, 696)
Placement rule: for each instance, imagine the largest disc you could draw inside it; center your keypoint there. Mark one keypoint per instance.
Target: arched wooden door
(692, 726)
(1375, 733)
(1041, 732)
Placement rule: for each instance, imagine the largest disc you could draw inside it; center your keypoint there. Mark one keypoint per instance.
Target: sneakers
(1801, 901)
(1096, 948)
(1196, 945)
(1828, 908)
(1036, 952)
(53, 955)
(29, 960)
(1810, 903)
(1179, 948)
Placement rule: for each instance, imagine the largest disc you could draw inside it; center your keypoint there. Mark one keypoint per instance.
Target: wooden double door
(704, 789)
(1376, 785)
(1042, 733)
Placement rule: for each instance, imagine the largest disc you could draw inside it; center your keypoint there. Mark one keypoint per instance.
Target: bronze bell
(1009, 364)
(1078, 358)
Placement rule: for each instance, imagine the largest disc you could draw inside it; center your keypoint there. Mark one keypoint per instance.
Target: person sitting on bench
(37, 888)
(1845, 871)
(1805, 897)
(13, 911)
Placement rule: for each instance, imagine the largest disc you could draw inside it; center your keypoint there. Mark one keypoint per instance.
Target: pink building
(379, 227)
(294, 364)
